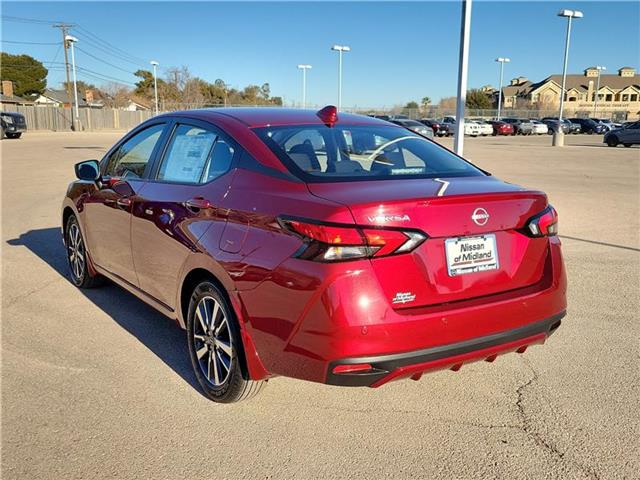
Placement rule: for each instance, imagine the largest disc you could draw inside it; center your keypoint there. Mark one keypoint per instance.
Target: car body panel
(299, 317)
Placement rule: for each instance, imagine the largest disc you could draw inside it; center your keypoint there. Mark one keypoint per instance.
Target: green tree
(144, 87)
(478, 99)
(426, 101)
(411, 106)
(28, 75)
(82, 87)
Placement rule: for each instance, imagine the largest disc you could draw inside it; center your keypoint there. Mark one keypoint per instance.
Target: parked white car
(483, 127)
(471, 128)
(539, 128)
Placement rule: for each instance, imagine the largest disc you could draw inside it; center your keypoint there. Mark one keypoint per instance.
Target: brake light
(333, 243)
(544, 224)
(328, 115)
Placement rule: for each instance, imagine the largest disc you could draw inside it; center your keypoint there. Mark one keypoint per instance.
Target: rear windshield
(318, 153)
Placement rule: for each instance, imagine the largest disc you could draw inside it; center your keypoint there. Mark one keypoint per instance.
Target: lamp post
(558, 136)
(595, 102)
(155, 82)
(340, 49)
(463, 68)
(71, 40)
(502, 61)
(304, 69)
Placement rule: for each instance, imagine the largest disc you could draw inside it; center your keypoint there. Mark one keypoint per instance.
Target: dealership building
(618, 95)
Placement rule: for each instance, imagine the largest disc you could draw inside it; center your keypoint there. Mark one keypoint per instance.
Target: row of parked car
(506, 126)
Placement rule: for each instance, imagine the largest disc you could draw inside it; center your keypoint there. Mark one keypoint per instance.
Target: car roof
(269, 116)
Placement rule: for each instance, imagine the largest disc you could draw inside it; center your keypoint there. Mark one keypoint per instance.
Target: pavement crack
(539, 439)
(27, 294)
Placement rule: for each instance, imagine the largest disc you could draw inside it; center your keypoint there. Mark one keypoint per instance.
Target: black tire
(627, 145)
(612, 141)
(215, 331)
(79, 272)
(14, 135)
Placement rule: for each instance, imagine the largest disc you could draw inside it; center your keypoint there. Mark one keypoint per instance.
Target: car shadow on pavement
(155, 331)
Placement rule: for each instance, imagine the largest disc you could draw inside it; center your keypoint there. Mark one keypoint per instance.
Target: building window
(625, 97)
(572, 99)
(609, 97)
(634, 97)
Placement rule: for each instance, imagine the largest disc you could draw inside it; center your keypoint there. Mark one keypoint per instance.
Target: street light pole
(502, 61)
(458, 141)
(340, 49)
(595, 102)
(558, 136)
(304, 69)
(71, 41)
(155, 82)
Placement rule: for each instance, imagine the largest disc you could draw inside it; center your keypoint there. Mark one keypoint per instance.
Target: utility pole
(64, 28)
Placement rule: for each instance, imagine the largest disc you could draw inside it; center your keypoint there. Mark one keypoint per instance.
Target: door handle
(198, 203)
(124, 202)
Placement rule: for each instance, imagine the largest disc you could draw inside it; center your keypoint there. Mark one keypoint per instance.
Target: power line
(93, 44)
(57, 53)
(9, 18)
(103, 61)
(31, 43)
(109, 46)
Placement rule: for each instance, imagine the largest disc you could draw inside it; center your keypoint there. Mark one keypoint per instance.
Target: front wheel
(612, 141)
(215, 347)
(14, 135)
(627, 145)
(77, 257)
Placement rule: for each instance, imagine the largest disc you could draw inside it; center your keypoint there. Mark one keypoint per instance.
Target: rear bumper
(385, 368)
(309, 317)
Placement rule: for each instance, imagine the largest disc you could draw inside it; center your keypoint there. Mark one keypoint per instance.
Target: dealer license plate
(471, 254)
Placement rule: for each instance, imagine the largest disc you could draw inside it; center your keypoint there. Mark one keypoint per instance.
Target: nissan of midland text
(318, 245)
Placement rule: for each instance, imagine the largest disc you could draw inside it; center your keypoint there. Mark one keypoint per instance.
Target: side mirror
(88, 170)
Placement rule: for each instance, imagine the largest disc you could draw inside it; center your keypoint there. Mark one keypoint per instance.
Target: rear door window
(195, 155)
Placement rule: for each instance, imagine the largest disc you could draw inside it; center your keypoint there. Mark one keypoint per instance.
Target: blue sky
(400, 51)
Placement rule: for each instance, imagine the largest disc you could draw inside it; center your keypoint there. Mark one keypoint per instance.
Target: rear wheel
(77, 257)
(627, 145)
(612, 141)
(215, 348)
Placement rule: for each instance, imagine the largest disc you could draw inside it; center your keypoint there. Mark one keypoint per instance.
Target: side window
(131, 158)
(187, 155)
(220, 160)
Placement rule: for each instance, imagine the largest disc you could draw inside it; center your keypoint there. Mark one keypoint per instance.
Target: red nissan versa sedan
(336, 248)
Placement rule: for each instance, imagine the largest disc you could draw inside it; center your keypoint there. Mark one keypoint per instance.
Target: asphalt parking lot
(96, 384)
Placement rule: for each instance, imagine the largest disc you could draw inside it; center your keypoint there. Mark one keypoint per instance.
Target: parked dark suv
(13, 124)
(589, 126)
(552, 123)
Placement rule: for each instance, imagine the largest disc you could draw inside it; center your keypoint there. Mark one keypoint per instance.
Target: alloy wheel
(212, 341)
(76, 252)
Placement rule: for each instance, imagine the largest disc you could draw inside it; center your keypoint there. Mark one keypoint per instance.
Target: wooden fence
(90, 119)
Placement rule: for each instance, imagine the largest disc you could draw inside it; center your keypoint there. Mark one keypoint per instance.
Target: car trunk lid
(490, 212)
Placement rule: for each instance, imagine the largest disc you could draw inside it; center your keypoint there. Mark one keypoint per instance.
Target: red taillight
(326, 233)
(331, 243)
(545, 224)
